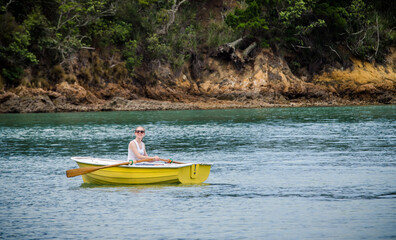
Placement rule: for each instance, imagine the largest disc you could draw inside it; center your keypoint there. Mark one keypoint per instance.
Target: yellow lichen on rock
(362, 75)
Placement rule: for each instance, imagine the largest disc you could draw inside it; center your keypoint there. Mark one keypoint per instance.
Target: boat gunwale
(112, 161)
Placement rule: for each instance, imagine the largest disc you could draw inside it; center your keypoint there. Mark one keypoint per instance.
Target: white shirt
(131, 155)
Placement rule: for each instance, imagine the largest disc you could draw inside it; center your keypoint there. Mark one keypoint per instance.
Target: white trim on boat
(103, 162)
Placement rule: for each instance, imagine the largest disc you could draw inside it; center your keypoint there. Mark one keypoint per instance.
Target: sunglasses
(139, 131)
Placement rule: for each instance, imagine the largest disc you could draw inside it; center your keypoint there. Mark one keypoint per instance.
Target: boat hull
(143, 174)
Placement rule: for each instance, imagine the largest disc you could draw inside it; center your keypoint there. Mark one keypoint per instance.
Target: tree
(172, 16)
(249, 19)
(73, 16)
(14, 53)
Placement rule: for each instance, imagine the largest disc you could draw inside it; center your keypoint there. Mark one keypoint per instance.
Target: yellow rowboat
(142, 173)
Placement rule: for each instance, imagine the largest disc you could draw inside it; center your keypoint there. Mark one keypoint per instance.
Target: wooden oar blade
(80, 171)
(85, 170)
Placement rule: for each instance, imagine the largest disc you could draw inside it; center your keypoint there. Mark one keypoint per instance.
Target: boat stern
(195, 173)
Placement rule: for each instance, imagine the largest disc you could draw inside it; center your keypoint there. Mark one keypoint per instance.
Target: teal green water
(280, 173)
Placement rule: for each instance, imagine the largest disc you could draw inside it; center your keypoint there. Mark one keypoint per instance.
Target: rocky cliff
(93, 82)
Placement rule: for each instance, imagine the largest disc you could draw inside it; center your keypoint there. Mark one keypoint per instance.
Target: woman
(136, 148)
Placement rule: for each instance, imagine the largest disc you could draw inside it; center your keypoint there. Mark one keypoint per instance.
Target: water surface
(280, 173)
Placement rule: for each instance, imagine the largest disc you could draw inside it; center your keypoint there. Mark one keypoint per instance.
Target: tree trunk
(234, 43)
(228, 49)
(248, 50)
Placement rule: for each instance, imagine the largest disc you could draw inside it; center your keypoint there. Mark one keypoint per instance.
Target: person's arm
(133, 147)
(144, 148)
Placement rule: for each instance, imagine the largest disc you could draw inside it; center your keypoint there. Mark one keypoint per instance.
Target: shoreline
(42, 105)
(266, 83)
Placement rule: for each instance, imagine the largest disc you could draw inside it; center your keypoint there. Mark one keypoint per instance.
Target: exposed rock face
(76, 94)
(364, 81)
(27, 100)
(264, 81)
(268, 79)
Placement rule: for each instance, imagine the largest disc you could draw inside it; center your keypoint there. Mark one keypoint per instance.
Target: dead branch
(229, 51)
(234, 43)
(248, 50)
(378, 37)
(332, 49)
(6, 6)
(172, 16)
(356, 33)
(299, 46)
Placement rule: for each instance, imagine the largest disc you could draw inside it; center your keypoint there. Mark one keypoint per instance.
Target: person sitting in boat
(137, 149)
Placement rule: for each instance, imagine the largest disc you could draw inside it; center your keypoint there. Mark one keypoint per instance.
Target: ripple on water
(319, 173)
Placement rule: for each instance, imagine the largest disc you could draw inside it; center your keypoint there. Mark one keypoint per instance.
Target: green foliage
(42, 34)
(250, 20)
(141, 15)
(336, 16)
(69, 31)
(306, 30)
(217, 34)
(107, 32)
(133, 59)
(315, 30)
(14, 53)
(182, 38)
(362, 29)
(172, 52)
(293, 12)
(157, 49)
(12, 75)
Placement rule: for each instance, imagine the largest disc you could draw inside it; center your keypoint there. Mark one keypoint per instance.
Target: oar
(170, 161)
(85, 170)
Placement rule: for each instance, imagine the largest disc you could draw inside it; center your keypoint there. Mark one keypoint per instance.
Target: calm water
(290, 173)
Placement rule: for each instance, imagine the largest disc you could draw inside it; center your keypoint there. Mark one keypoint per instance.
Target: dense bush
(320, 32)
(43, 34)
